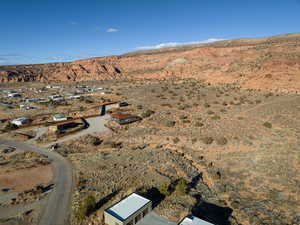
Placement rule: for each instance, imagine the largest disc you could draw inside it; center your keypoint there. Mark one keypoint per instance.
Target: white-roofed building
(192, 220)
(128, 211)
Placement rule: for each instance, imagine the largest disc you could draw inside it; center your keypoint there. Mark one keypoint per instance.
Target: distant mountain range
(271, 63)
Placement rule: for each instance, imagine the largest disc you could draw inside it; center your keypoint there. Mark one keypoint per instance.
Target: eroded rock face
(90, 69)
(261, 64)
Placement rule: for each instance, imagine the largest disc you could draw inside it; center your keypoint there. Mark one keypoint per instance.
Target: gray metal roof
(128, 206)
(194, 221)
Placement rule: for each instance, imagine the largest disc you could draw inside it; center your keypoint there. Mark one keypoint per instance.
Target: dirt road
(56, 211)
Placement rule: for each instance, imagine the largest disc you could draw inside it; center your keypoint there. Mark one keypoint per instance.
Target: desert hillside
(263, 63)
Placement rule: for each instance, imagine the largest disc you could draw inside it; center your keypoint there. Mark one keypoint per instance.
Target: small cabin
(59, 117)
(128, 211)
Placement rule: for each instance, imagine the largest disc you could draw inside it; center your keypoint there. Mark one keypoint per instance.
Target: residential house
(59, 117)
(123, 118)
(128, 211)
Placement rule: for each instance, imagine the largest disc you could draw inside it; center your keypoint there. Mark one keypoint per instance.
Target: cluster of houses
(72, 95)
(132, 210)
(120, 118)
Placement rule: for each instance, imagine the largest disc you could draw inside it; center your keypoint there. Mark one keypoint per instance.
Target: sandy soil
(22, 180)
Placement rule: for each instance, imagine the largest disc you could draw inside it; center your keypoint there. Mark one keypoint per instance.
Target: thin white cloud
(174, 44)
(111, 30)
(73, 22)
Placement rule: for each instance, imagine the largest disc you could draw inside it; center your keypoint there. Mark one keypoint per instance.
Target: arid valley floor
(223, 119)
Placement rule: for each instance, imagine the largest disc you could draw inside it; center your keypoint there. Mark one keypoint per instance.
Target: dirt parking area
(22, 180)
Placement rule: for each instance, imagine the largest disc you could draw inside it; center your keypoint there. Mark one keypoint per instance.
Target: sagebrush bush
(176, 140)
(170, 123)
(182, 187)
(267, 124)
(221, 141)
(164, 189)
(147, 113)
(87, 207)
(199, 124)
(207, 140)
(206, 105)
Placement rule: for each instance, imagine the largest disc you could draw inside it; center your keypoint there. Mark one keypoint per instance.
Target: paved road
(152, 218)
(56, 211)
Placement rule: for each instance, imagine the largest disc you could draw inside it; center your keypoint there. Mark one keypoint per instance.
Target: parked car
(20, 121)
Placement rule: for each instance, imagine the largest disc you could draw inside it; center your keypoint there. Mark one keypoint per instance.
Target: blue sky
(39, 31)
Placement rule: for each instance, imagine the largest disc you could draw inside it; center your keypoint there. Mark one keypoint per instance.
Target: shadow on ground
(154, 195)
(212, 213)
(106, 199)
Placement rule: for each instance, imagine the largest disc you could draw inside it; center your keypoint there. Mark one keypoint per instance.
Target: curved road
(56, 211)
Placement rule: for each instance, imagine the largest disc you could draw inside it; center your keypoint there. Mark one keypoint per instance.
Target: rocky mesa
(263, 63)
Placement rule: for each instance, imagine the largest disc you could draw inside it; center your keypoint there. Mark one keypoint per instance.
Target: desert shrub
(164, 189)
(87, 207)
(10, 126)
(186, 121)
(224, 103)
(92, 140)
(113, 144)
(257, 101)
(209, 112)
(206, 105)
(207, 140)
(182, 187)
(269, 95)
(215, 117)
(147, 113)
(88, 100)
(170, 123)
(176, 140)
(183, 117)
(199, 124)
(223, 110)
(194, 140)
(267, 124)
(139, 107)
(166, 104)
(221, 141)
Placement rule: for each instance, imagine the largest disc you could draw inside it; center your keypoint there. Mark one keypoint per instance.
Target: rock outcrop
(261, 64)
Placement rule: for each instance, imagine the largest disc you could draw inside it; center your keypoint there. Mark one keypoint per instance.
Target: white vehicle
(14, 95)
(74, 97)
(20, 121)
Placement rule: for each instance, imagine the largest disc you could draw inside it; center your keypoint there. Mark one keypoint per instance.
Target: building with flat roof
(193, 220)
(123, 118)
(128, 211)
(59, 117)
